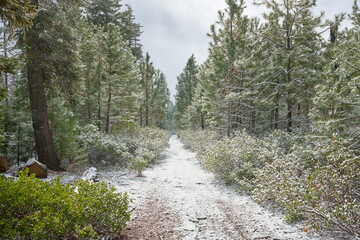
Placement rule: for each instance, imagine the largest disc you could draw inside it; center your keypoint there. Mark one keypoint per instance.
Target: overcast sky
(175, 29)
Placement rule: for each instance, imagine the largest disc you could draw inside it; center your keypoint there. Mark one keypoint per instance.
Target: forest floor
(177, 199)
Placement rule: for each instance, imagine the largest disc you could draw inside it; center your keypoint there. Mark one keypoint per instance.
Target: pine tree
(228, 51)
(147, 78)
(14, 14)
(187, 82)
(160, 95)
(131, 31)
(336, 102)
(122, 76)
(52, 65)
(295, 41)
(91, 57)
(103, 12)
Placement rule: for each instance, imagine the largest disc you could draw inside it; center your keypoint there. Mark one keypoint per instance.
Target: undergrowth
(316, 180)
(35, 209)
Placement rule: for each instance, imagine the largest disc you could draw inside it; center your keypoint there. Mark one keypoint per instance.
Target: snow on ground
(177, 199)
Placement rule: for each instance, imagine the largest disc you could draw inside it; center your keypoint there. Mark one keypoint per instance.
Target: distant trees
(187, 82)
(155, 95)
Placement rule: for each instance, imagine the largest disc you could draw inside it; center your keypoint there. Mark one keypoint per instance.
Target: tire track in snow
(177, 199)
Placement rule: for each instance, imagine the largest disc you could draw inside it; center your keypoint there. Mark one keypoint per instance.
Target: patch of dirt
(153, 221)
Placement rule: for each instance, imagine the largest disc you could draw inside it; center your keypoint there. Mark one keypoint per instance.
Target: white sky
(175, 29)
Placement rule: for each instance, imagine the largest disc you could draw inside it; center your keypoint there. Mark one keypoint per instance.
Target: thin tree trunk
(99, 104)
(276, 124)
(146, 97)
(299, 116)
(6, 115)
(89, 87)
(289, 114)
(288, 77)
(202, 121)
(18, 143)
(107, 127)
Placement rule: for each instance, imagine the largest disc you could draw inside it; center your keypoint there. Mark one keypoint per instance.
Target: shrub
(281, 181)
(138, 165)
(124, 145)
(199, 141)
(235, 159)
(36, 209)
(332, 191)
(326, 194)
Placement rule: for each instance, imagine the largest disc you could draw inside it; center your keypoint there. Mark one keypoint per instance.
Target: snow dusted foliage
(314, 180)
(199, 141)
(127, 145)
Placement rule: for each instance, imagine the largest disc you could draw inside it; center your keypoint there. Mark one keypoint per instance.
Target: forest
(274, 111)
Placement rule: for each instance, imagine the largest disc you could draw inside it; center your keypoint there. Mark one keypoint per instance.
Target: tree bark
(6, 114)
(99, 105)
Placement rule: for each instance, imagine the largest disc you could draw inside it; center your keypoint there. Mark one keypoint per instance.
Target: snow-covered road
(177, 199)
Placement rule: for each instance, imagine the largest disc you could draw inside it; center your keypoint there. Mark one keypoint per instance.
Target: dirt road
(177, 199)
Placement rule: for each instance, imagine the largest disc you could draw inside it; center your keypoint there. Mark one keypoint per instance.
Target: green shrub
(36, 209)
(138, 165)
(327, 194)
(332, 191)
(282, 181)
(235, 159)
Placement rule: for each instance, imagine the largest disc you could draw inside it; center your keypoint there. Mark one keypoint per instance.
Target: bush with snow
(124, 145)
(34, 209)
(138, 165)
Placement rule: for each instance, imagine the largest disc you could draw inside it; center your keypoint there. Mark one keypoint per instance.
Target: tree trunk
(6, 115)
(43, 137)
(202, 121)
(289, 115)
(99, 104)
(276, 113)
(89, 88)
(146, 99)
(288, 77)
(107, 127)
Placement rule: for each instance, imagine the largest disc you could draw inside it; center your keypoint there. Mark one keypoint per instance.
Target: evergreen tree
(131, 31)
(52, 62)
(187, 82)
(103, 12)
(292, 32)
(122, 77)
(147, 78)
(336, 102)
(160, 95)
